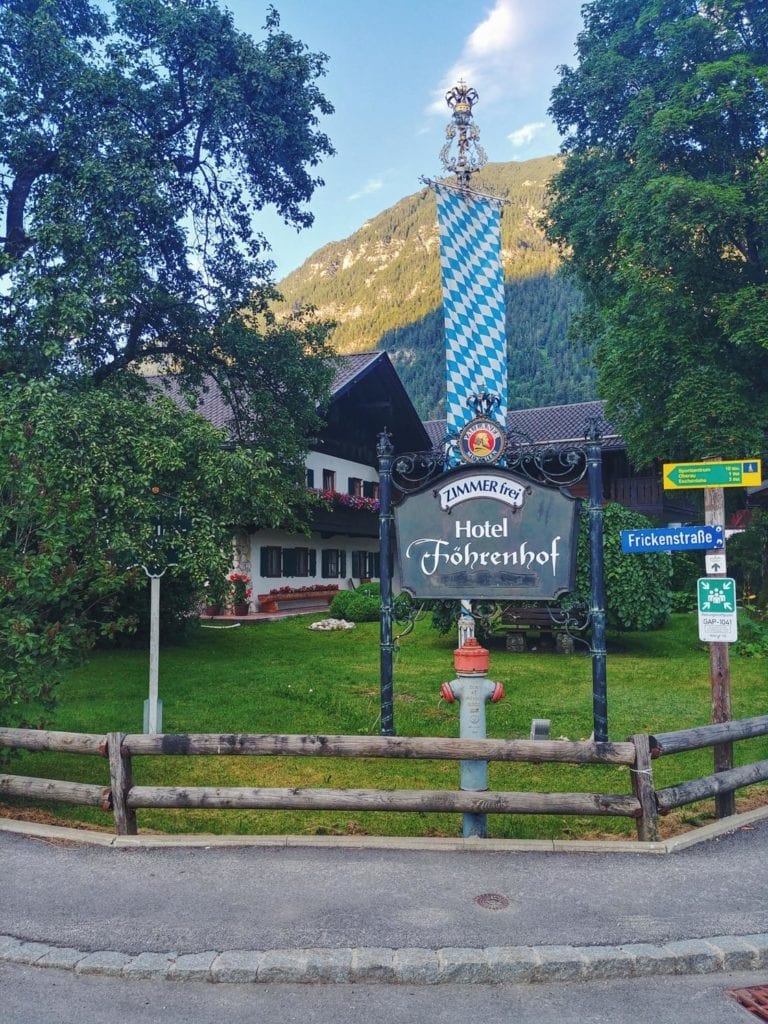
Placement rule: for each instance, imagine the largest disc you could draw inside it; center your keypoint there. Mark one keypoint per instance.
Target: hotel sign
(485, 533)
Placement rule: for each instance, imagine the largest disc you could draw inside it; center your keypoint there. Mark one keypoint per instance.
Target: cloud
(368, 189)
(511, 54)
(524, 136)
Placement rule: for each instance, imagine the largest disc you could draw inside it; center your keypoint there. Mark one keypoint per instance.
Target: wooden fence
(122, 798)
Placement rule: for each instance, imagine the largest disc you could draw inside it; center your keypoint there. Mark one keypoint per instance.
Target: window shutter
(310, 478)
(312, 562)
(263, 563)
(289, 561)
(342, 563)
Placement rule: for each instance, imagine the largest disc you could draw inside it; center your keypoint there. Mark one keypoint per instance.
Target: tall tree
(78, 512)
(662, 212)
(139, 139)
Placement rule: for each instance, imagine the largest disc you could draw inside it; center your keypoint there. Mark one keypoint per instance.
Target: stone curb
(449, 965)
(704, 833)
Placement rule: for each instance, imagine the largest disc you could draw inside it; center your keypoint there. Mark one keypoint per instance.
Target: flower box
(311, 599)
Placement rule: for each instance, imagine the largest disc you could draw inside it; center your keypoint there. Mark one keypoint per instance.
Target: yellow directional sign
(680, 476)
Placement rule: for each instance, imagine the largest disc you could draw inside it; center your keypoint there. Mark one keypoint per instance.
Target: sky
(390, 64)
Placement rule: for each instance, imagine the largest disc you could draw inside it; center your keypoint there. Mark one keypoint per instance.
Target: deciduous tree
(78, 516)
(139, 139)
(662, 212)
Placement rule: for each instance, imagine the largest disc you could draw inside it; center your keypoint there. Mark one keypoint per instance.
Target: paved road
(59, 997)
(600, 936)
(191, 900)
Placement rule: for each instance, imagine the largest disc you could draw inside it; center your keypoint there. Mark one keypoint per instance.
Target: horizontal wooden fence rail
(124, 747)
(711, 785)
(437, 800)
(728, 781)
(82, 793)
(708, 735)
(66, 742)
(415, 747)
(123, 798)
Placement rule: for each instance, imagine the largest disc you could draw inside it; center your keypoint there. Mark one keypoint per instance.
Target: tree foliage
(662, 212)
(637, 587)
(78, 518)
(139, 140)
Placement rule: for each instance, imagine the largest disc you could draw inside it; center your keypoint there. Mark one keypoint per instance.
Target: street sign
(717, 610)
(669, 538)
(715, 564)
(684, 475)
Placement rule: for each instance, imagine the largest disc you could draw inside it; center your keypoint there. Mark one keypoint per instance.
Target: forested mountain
(382, 287)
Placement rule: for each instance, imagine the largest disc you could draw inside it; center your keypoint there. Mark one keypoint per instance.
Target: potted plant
(241, 592)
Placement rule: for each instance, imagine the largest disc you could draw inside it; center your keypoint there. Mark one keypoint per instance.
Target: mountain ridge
(382, 286)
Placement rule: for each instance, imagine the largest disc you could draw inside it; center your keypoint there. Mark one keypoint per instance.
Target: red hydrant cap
(471, 657)
(497, 694)
(447, 693)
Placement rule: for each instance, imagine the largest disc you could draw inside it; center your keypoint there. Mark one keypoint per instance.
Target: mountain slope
(382, 287)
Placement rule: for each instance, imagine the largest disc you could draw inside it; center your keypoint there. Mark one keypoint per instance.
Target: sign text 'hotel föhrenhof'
(487, 534)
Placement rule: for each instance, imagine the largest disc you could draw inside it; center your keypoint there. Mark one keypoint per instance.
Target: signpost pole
(719, 665)
(154, 655)
(597, 591)
(384, 449)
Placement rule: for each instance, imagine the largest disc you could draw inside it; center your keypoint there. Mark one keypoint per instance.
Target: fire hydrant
(472, 689)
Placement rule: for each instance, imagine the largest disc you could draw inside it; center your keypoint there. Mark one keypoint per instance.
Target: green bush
(683, 600)
(753, 637)
(356, 605)
(637, 587)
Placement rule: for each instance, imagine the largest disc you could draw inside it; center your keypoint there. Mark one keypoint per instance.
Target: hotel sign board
(486, 533)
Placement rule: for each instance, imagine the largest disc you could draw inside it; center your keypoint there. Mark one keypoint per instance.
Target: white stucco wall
(317, 462)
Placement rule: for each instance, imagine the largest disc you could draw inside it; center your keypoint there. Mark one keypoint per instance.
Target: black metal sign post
(384, 449)
(559, 466)
(597, 588)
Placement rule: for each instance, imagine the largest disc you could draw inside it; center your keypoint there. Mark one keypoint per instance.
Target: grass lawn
(281, 677)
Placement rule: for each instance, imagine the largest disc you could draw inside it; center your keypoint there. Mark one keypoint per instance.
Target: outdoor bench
(517, 622)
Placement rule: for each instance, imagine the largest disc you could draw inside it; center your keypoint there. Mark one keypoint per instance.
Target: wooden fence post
(642, 787)
(121, 777)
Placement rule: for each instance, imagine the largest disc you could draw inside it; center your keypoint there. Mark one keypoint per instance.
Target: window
(365, 564)
(299, 562)
(355, 487)
(271, 561)
(329, 480)
(334, 563)
(310, 482)
(370, 489)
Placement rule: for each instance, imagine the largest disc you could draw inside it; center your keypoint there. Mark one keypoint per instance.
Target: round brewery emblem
(481, 440)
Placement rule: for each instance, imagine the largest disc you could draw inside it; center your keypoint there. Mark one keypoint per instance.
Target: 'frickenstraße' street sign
(685, 475)
(672, 538)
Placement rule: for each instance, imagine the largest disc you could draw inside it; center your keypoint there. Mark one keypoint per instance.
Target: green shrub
(683, 600)
(355, 605)
(753, 637)
(637, 587)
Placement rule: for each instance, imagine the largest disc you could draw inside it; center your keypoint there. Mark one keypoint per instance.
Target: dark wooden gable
(368, 397)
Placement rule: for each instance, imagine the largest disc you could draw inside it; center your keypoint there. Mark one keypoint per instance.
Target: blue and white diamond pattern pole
(473, 303)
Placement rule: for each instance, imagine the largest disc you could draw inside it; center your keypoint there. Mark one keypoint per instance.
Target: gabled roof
(365, 385)
(549, 424)
(349, 368)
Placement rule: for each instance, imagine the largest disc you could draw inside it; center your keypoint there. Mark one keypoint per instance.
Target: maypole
(473, 299)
